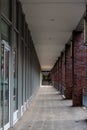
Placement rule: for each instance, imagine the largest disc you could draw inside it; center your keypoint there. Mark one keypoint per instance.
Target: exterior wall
(68, 72)
(79, 67)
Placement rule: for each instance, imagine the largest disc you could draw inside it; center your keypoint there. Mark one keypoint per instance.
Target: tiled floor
(49, 111)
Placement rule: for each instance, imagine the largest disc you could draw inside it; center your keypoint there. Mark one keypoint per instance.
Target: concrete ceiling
(51, 23)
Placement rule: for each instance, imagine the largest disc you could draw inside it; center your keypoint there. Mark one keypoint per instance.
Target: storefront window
(4, 88)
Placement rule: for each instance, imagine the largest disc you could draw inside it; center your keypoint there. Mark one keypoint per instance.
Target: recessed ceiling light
(52, 19)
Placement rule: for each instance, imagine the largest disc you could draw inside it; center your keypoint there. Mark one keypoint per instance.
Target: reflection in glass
(6, 8)
(4, 88)
(15, 72)
(5, 83)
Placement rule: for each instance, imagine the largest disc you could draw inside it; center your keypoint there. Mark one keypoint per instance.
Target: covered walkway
(49, 111)
(43, 42)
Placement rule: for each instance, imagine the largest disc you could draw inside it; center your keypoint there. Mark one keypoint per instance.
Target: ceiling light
(52, 20)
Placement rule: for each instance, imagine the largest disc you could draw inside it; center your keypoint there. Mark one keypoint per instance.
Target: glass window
(15, 72)
(6, 7)
(23, 73)
(5, 32)
(6, 85)
(5, 49)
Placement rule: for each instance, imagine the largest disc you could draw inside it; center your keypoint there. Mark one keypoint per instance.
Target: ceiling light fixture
(52, 20)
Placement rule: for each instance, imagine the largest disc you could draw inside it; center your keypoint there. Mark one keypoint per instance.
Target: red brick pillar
(52, 76)
(63, 72)
(56, 75)
(68, 71)
(85, 40)
(79, 72)
(85, 82)
(60, 74)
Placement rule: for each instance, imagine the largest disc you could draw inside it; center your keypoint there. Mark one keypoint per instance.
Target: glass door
(5, 84)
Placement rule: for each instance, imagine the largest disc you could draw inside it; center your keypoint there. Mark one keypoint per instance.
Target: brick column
(85, 82)
(85, 40)
(56, 75)
(79, 62)
(60, 74)
(63, 72)
(68, 71)
(52, 76)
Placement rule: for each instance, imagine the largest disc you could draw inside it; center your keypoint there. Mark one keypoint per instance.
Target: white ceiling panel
(51, 23)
